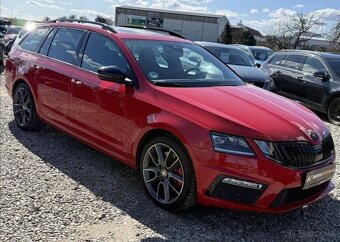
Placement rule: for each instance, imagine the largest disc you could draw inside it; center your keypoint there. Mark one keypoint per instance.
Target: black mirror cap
(324, 76)
(113, 74)
(258, 65)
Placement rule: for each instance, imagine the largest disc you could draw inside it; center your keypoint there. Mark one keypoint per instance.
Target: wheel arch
(331, 98)
(19, 81)
(158, 132)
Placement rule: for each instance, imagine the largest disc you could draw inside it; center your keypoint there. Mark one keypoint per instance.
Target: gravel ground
(54, 188)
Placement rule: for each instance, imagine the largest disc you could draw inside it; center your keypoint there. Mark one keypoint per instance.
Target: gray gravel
(56, 188)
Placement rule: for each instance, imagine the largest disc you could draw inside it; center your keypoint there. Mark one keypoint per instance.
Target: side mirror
(258, 65)
(324, 76)
(113, 74)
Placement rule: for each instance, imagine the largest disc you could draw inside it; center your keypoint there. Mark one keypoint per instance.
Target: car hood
(246, 111)
(250, 73)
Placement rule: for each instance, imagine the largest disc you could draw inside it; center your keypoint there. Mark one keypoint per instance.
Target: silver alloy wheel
(163, 173)
(22, 107)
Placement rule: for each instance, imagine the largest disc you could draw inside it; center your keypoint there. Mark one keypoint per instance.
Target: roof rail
(156, 29)
(104, 26)
(295, 50)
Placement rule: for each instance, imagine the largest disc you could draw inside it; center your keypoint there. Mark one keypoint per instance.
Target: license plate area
(316, 177)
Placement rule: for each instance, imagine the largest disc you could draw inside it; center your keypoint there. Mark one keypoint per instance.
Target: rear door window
(45, 47)
(293, 61)
(33, 40)
(65, 44)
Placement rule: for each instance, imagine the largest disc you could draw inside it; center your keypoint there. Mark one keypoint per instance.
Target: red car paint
(114, 118)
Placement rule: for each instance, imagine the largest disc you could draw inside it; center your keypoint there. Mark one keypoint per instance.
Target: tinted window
(313, 64)
(102, 51)
(293, 61)
(13, 30)
(31, 42)
(44, 48)
(231, 56)
(180, 64)
(64, 45)
(276, 60)
(261, 54)
(335, 64)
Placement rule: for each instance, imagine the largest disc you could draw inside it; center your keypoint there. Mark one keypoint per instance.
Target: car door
(54, 67)
(314, 90)
(289, 76)
(103, 112)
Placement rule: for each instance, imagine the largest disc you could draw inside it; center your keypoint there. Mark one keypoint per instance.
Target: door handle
(76, 82)
(299, 77)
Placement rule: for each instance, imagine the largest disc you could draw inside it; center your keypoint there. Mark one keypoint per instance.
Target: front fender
(190, 134)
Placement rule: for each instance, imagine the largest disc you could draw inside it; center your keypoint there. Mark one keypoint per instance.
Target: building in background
(193, 26)
(239, 28)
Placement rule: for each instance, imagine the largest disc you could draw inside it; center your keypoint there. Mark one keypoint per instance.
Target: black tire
(2, 58)
(24, 110)
(334, 111)
(177, 164)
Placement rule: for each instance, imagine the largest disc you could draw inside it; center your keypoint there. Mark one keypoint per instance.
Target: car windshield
(335, 64)
(13, 30)
(231, 56)
(261, 54)
(181, 64)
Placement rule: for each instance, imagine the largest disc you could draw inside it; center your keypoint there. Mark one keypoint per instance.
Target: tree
(46, 19)
(300, 25)
(334, 37)
(104, 20)
(248, 38)
(72, 16)
(83, 18)
(295, 30)
(226, 36)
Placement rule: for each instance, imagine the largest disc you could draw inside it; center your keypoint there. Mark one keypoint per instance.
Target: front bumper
(282, 186)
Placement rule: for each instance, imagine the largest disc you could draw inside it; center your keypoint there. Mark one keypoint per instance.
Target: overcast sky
(254, 13)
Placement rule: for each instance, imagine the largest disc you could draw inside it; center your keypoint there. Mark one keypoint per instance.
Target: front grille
(234, 193)
(302, 154)
(327, 147)
(292, 195)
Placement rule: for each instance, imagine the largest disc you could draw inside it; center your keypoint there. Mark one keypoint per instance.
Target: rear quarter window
(33, 40)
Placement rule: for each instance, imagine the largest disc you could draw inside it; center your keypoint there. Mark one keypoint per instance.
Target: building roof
(252, 31)
(175, 12)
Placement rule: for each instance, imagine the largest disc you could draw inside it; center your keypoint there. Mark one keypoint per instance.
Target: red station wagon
(166, 106)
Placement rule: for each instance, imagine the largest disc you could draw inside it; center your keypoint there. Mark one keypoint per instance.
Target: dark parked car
(8, 40)
(260, 53)
(312, 78)
(168, 107)
(239, 61)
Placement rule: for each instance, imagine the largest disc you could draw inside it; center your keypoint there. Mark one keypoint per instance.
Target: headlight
(268, 150)
(231, 144)
(270, 85)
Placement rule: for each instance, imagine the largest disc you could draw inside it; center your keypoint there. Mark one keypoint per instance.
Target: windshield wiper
(168, 84)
